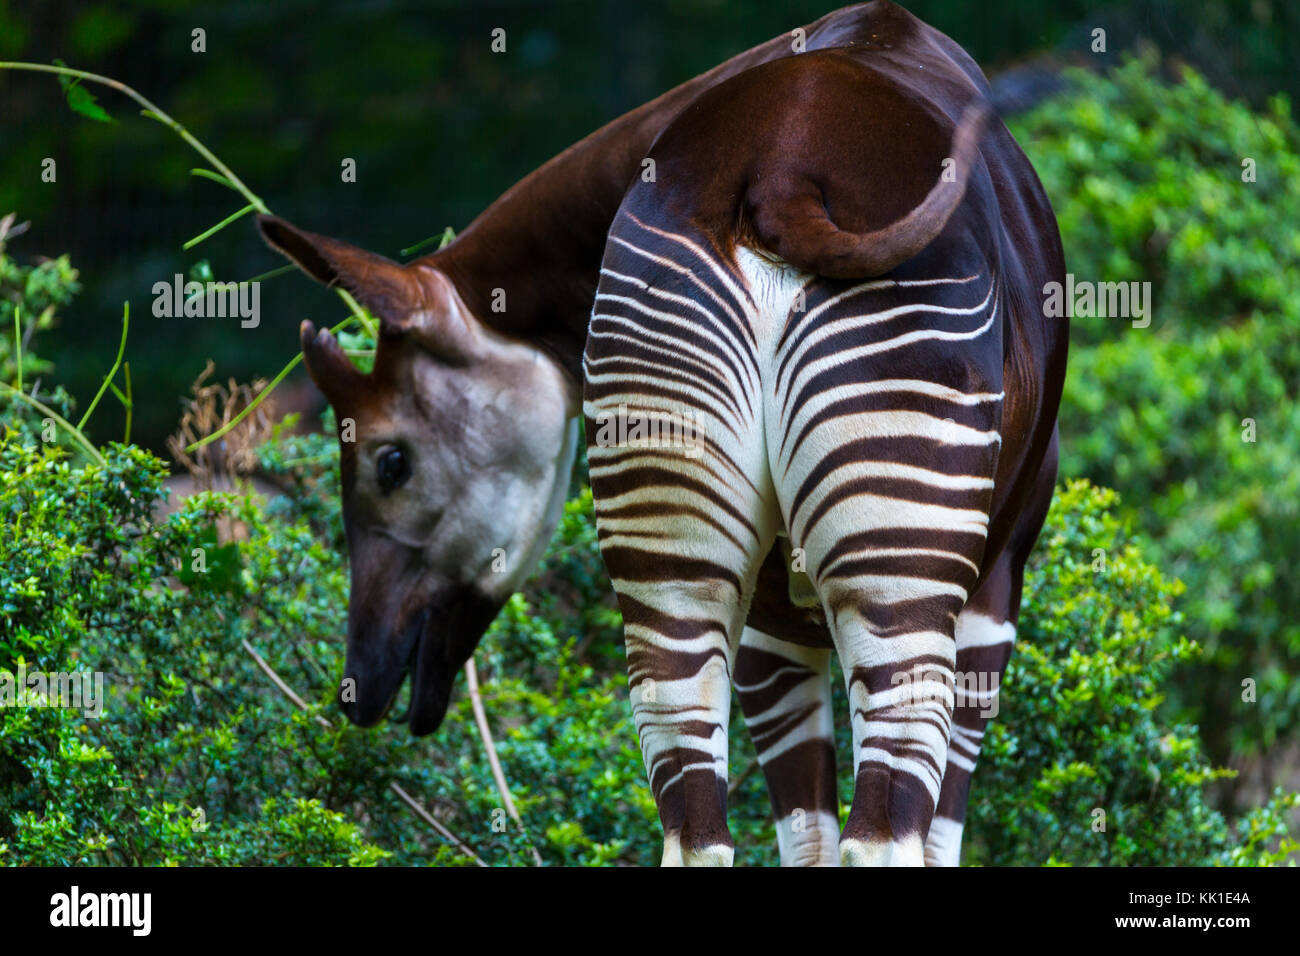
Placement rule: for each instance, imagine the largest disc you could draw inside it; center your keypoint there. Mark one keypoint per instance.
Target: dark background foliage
(438, 124)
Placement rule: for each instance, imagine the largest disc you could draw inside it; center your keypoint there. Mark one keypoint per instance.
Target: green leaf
(81, 99)
(210, 565)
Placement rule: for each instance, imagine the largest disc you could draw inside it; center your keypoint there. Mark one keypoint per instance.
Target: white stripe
(875, 348)
(850, 322)
(980, 630)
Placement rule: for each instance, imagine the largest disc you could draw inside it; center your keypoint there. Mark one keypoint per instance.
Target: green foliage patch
(1194, 419)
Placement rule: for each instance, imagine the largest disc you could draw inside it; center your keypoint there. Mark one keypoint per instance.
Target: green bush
(42, 290)
(198, 758)
(193, 732)
(31, 299)
(1079, 767)
(1147, 180)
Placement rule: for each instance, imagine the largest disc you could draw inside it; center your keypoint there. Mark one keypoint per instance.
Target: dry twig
(485, 734)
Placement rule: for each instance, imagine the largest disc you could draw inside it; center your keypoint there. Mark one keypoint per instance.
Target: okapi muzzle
(455, 454)
(399, 623)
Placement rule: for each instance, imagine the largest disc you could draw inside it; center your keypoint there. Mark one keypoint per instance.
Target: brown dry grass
(221, 465)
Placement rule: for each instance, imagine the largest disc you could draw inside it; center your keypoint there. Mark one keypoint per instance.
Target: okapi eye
(392, 469)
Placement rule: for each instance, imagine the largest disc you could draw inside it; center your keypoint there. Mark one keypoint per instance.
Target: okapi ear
(329, 367)
(415, 301)
(383, 286)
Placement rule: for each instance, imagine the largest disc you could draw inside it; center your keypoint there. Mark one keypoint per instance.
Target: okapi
(833, 271)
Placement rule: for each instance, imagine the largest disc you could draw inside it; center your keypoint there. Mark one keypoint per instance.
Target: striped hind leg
(986, 631)
(883, 414)
(682, 529)
(899, 674)
(684, 590)
(892, 531)
(784, 691)
(893, 573)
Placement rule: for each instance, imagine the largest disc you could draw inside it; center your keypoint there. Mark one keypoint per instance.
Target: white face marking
(489, 445)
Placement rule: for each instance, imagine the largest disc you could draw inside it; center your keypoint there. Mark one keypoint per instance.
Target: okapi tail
(798, 227)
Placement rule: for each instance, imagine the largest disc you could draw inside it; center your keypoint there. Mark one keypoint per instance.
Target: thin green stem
(442, 239)
(71, 429)
(18, 344)
(247, 410)
(121, 349)
(272, 274)
(359, 312)
(224, 175)
(150, 110)
(215, 177)
(153, 112)
(219, 226)
(130, 403)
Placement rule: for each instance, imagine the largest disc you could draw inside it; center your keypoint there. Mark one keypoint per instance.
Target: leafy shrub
(1147, 180)
(198, 759)
(31, 299)
(193, 733)
(1079, 767)
(42, 290)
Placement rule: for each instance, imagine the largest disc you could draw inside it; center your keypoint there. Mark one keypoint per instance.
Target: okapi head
(455, 454)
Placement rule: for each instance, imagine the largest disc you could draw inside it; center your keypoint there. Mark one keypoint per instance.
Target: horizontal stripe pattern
(846, 415)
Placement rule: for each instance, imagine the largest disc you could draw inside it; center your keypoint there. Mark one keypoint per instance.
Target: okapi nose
(377, 664)
(362, 709)
(365, 699)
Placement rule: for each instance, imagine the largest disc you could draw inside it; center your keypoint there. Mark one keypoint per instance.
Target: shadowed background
(438, 124)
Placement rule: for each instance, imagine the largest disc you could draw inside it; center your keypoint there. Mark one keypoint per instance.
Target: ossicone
(328, 365)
